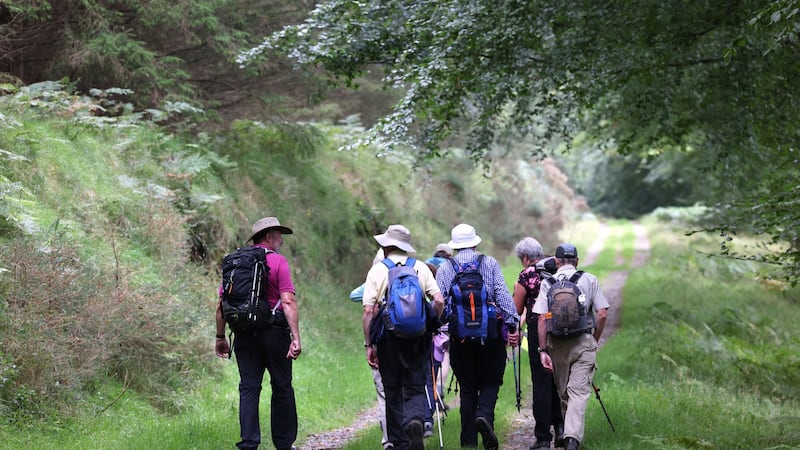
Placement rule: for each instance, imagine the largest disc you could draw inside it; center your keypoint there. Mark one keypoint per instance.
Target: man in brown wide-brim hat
(272, 348)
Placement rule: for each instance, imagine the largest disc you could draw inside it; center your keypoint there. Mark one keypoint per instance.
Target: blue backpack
(473, 316)
(404, 313)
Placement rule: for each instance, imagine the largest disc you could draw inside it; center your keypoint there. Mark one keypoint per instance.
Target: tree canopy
(715, 82)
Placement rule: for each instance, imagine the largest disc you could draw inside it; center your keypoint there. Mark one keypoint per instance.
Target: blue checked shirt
(492, 278)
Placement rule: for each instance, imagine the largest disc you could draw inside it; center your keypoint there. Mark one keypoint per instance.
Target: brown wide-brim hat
(397, 236)
(268, 223)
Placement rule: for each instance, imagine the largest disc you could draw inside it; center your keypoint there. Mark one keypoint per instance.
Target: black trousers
(255, 353)
(403, 364)
(546, 403)
(479, 369)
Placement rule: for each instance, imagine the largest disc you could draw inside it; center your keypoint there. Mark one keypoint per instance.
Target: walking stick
(516, 374)
(597, 395)
(440, 393)
(438, 419)
(436, 400)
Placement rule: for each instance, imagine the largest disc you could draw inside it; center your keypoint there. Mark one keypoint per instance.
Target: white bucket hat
(463, 236)
(398, 236)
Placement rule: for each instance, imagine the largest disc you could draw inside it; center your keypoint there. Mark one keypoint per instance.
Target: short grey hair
(529, 247)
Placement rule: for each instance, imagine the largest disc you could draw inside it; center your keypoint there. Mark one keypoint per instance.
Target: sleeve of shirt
(444, 279)
(426, 279)
(372, 286)
(284, 275)
(599, 300)
(500, 291)
(540, 307)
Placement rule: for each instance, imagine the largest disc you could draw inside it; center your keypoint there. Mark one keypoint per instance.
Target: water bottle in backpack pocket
(494, 321)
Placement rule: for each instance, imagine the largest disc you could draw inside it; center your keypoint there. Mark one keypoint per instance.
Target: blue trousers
(255, 353)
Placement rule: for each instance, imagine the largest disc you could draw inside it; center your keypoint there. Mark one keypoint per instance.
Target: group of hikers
(421, 319)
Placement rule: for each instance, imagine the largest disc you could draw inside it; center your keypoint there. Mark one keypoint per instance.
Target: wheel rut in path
(520, 435)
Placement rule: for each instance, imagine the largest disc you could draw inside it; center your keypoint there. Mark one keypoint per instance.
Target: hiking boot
(571, 443)
(428, 430)
(487, 433)
(541, 444)
(558, 431)
(414, 432)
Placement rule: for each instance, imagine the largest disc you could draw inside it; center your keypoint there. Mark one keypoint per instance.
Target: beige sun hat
(398, 236)
(463, 236)
(269, 223)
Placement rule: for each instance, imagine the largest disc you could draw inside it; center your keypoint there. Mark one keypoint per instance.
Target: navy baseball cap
(566, 251)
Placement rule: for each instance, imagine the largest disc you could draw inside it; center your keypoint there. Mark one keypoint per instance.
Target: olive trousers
(574, 363)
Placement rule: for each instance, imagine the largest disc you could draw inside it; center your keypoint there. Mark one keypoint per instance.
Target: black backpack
(244, 284)
(567, 308)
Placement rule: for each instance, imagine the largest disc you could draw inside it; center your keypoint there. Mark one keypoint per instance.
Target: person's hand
(514, 337)
(222, 348)
(547, 363)
(294, 349)
(372, 357)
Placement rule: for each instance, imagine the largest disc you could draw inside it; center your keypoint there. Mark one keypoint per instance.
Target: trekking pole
(519, 374)
(436, 403)
(516, 374)
(438, 419)
(597, 395)
(438, 394)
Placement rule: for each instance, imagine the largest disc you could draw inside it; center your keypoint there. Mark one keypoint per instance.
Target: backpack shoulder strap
(410, 262)
(576, 276)
(479, 261)
(550, 279)
(388, 263)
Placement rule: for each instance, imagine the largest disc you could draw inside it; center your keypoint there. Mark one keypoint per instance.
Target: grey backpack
(567, 306)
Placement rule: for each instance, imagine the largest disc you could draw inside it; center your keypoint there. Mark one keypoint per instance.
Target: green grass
(701, 360)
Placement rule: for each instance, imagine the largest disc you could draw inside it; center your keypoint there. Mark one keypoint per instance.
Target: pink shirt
(280, 278)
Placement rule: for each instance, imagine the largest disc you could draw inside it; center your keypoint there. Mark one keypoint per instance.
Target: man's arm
(544, 357)
(600, 323)
(221, 346)
(289, 305)
(438, 304)
(366, 320)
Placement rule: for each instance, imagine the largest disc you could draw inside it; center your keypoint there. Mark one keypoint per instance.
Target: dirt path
(338, 438)
(520, 437)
